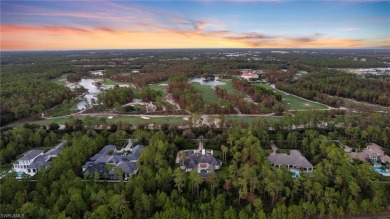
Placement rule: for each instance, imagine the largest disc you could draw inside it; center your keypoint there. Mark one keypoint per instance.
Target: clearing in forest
(292, 102)
(207, 92)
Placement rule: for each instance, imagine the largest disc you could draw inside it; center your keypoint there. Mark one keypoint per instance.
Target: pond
(91, 94)
(216, 82)
(97, 72)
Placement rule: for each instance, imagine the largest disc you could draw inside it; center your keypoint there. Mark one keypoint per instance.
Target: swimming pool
(380, 170)
(295, 173)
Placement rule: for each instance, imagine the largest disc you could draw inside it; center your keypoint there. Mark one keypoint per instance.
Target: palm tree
(224, 150)
(196, 179)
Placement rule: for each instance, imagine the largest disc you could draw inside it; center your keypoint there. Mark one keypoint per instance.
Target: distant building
(34, 160)
(294, 160)
(372, 152)
(249, 76)
(109, 160)
(200, 160)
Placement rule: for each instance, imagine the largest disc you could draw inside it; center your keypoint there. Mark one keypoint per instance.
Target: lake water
(97, 72)
(91, 94)
(210, 83)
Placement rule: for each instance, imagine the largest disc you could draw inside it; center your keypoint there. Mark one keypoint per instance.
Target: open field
(228, 86)
(62, 109)
(250, 119)
(161, 86)
(61, 80)
(111, 82)
(295, 103)
(137, 120)
(207, 92)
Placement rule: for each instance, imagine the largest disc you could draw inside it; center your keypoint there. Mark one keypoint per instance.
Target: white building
(24, 164)
(34, 160)
(249, 76)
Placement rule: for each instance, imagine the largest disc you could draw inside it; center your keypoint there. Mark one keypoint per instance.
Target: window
(29, 170)
(34, 170)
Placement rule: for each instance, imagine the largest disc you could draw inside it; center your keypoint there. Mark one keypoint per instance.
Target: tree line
(326, 85)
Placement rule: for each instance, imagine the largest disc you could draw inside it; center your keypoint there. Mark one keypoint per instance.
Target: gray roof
(195, 158)
(30, 154)
(107, 148)
(295, 158)
(127, 162)
(128, 167)
(54, 152)
(38, 164)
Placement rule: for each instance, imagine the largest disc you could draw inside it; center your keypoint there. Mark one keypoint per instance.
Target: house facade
(34, 160)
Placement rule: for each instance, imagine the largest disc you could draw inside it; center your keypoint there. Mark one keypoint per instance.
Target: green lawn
(228, 86)
(63, 109)
(61, 80)
(6, 167)
(295, 103)
(134, 120)
(137, 120)
(161, 86)
(383, 178)
(207, 92)
(250, 119)
(111, 82)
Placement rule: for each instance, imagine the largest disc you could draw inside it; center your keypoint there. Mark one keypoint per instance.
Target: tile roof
(373, 151)
(295, 159)
(375, 148)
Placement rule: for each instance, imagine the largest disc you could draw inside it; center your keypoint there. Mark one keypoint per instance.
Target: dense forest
(246, 187)
(326, 85)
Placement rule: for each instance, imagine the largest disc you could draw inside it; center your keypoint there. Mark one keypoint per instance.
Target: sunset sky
(65, 25)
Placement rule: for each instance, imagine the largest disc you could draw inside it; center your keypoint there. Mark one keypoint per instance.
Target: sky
(68, 25)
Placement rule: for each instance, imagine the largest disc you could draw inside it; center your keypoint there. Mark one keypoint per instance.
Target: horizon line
(207, 48)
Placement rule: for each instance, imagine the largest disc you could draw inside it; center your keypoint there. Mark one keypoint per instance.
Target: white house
(33, 160)
(23, 164)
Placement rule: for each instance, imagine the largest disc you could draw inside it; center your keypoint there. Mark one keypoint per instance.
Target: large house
(34, 160)
(372, 152)
(110, 161)
(294, 160)
(249, 76)
(200, 160)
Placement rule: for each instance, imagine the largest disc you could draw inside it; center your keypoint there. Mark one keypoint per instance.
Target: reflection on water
(210, 83)
(91, 94)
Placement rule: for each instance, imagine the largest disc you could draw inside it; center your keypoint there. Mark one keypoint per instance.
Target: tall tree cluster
(247, 186)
